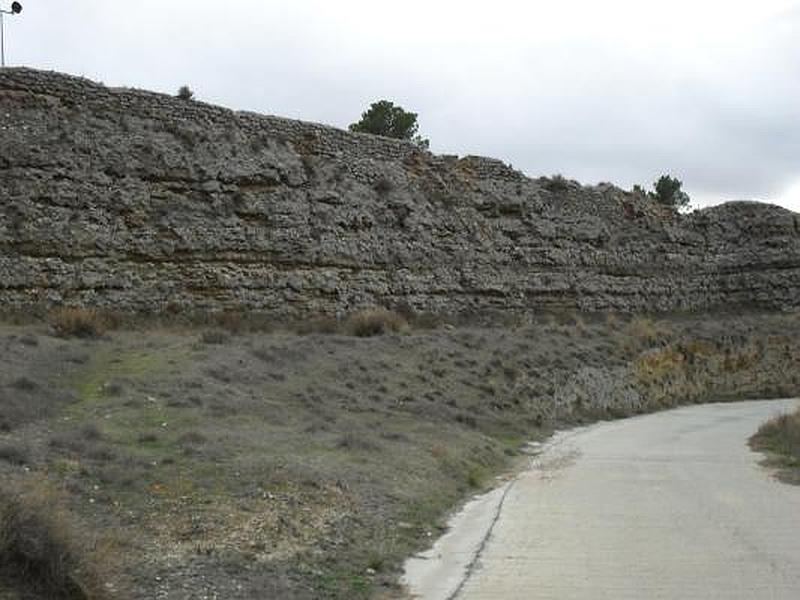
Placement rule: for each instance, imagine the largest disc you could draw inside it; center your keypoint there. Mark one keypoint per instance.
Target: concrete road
(672, 505)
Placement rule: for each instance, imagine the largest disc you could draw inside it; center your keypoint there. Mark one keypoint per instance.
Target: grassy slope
(287, 466)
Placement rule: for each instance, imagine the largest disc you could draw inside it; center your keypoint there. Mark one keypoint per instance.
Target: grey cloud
(726, 120)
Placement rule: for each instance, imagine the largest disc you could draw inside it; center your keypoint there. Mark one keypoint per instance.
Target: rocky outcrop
(133, 200)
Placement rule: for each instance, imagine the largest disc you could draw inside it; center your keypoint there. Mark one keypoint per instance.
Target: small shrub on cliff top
(372, 322)
(385, 119)
(557, 183)
(77, 322)
(185, 93)
(668, 193)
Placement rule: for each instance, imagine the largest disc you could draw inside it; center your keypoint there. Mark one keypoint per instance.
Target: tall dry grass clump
(77, 322)
(647, 331)
(781, 436)
(42, 549)
(641, 333)
(375, 321)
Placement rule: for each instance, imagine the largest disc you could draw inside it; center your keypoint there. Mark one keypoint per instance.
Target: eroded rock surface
(139, 201)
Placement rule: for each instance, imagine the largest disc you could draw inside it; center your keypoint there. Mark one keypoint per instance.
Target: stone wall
(133, 200)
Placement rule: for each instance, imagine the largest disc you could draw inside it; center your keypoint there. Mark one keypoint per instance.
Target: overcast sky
(618, 90)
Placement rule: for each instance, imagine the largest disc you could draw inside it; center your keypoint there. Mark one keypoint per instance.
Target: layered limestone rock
(138, 201)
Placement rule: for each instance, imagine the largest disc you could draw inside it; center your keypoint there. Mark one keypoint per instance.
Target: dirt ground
(219, 464)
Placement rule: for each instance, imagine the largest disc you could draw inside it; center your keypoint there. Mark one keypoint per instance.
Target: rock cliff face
(133, 200)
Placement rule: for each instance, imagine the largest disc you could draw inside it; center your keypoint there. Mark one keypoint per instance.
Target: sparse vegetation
(14, 454)
(376, 321)
(556, 184)
(77, 440)
(668, 192)
(185, 93)
(321, 325)
(385, 119)
(214, 336)
(358, 442)
(325, 460)
(78, 322)
(645, 332)
(24, 384)
(42, 549)
(780, 439)
(383, 186)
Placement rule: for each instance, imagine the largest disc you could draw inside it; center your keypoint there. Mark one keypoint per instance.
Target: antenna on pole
(16, 8)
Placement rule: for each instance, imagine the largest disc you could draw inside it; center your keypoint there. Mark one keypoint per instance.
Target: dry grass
(780, 437)
(641, 333)
(612, 322)
(439, 451)
(656, 364)
(238, 321)
(42, 549)
(699, 348)
(741, 361)
(358, 442)
(215, 336)
(376, 321)
(647, 331)
(270, 424)
(320, 324)
(15, 454)
(77, 322)
(84, 322)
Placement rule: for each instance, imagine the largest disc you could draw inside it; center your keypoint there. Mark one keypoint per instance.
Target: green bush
(668, 192)
(556, 184)
(386, 119)
(185, 93)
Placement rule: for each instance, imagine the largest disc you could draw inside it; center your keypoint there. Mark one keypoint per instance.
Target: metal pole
(2, 42)
(16, 8)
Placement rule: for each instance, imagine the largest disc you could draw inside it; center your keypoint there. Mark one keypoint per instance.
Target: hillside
(253, 465)
(139, 201)
(216, 419)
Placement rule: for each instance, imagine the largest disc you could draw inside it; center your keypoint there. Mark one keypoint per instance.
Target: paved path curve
(671, 505)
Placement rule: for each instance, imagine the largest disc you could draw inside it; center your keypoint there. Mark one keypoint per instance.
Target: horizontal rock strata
(138, 201)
